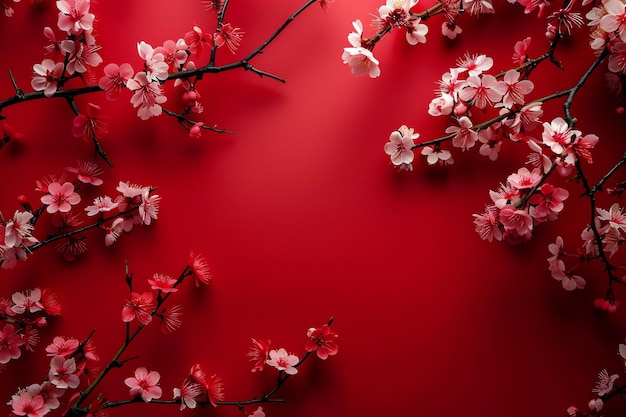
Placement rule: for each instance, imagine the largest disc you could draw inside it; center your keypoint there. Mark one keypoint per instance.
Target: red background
(302, 217)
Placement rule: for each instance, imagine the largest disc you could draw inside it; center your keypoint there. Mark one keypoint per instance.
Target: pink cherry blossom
(322, 341)
(10, 343)
(140, 307)
(113, 231)
(47, 75)
(441, 105)
(487, 225)
(482, 91)
(464, 136)
(520, 55)
(605, 383)
(63, 372)
(283, 361)
(548, 202)
(614, 216)
(524, 178)
(49, 392)
(115, 78)
(477, 7)
(556, 250)
(83, 57)
(360, 59)
(188, 392)
(558, 136)
(436, 154)
(400, 145)
(101, 204)
(74, 16)
(62, 347)
(615, 19)
(171, 319)
(514, 219)
(214, 389)
(60, 197)
(87, 172)
(474, 64)
(617, 57)
(163, 283)
(491, 144)
(174, 54)
(450, 30)
(144, 383)
(25, 404)
(531, 5)
(27, 301)
(198, 40)
(416, 32)
(147, 95)
(154, 62)
(19, 229)
(149, 207)
(515, 89)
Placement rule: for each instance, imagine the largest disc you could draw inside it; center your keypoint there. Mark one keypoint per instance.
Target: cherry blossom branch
(188, 123)
(74, 232)
(114, 362)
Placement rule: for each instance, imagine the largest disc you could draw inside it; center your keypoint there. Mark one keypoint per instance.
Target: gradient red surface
(301, 217)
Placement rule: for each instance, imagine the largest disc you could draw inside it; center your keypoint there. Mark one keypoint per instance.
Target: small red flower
(200, 269)
(139, 307)
(322, 341)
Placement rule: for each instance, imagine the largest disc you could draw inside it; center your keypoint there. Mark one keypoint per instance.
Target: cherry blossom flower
(213, 5)
(60, 198)
(531, 5)
(568, 281)
(72, 247)
(464, 136)
(47, 75)
(198, 40)
(144, 383)
(199, 268)
(322, 341)
(558, 136)
(396, 12)
(154, 62)
(101, 204)
(228, 35)
(147, 95)
(10, 343)
(450, 30)
(605, 383)
(360, 59)
(49, 392)
(62, 347)
(74, 16)
(436, 154)
(400, 145)
(171, 319)
(63, 372)
(129, 190)
(441, 105)
(556, 250)
(188, 392)
(87, 172)
(615, 18)
(482, 91)
(614, 216)
(416, 32)
(524, 178)
(617, 57)
(115, 78)
(174, 54)
(163, 283)
(149, 207)
(515, 89)
(491, 144)
(83, 56)
(520, 49)
(113, 232)
(474, 64)
(139, 307)
(514, 219)
(477, 7)
(25, 404)
(259, 354)
(214, 389)
(197, 374)
(19, 229)
(90, 125)
(26, 301)
(283, 361)
(487, 225)
(195, 131)
(548, 202)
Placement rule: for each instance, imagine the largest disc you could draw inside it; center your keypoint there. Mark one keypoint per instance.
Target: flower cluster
(60, 199)
(21, 318)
